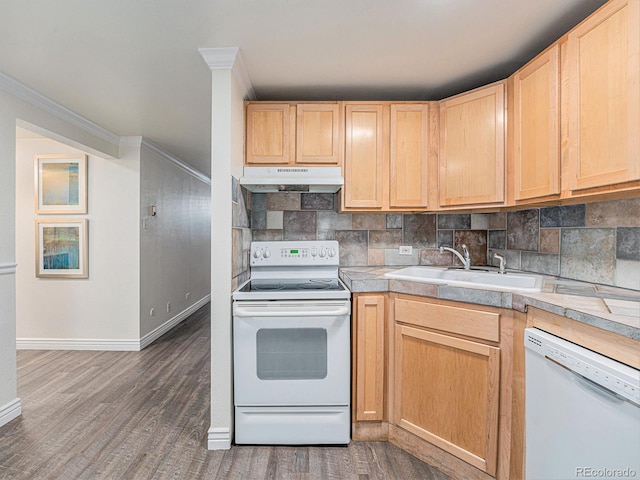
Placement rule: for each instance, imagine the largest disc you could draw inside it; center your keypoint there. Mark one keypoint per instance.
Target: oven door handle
(275, 312)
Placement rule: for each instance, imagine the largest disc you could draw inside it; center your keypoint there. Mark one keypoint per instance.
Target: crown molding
(221, 58)
(229, 58)
(131, 141)
(176, 161)
(38, 100)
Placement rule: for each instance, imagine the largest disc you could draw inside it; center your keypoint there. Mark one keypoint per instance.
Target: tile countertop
(610, 308)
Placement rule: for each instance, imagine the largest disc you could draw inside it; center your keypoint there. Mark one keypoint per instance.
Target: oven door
(291, 353)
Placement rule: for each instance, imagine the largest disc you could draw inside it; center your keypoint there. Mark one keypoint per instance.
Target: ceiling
(133, 67)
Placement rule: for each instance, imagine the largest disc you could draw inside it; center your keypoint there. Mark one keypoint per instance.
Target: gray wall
(175, 245)
(597, 242)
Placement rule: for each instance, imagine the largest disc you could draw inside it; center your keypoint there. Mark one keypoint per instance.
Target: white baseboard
(119, 345)
(219, 439)
(77, 344)
(150, 337)
(10, 411)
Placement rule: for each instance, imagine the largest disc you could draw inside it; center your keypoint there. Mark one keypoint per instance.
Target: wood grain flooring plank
(145, 415)
(301, 460)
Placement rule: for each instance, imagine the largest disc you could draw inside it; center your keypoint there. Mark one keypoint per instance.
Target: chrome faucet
(466, 260)
(503, 268)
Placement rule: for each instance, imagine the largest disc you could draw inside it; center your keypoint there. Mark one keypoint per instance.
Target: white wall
(175, 245)
(8, 384)
(15, 107)
(101, 311)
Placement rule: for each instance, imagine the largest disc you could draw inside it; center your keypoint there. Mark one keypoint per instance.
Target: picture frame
(62, 248)
(61, 184)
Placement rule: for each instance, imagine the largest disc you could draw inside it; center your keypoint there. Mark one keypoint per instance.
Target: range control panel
(295, 253)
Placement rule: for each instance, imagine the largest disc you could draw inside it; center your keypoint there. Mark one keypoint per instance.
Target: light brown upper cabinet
(536, 127)
(364, 159)
(409, 156)
(386, 157)
(472, 148)
(293, 134)
(269, 134)
(603, 62)
(318, 134)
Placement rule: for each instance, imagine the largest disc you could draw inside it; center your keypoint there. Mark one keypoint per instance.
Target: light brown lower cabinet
(446, 391)
(369, 367)
(370, 357)
(449, 382)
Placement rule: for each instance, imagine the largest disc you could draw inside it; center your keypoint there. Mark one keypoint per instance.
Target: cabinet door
(472, 142)
(318, 134)
(604, 97)
(363, 162)
(408, 155)
(269, 134)
(537, 127)
(370, 358)
(446, 391)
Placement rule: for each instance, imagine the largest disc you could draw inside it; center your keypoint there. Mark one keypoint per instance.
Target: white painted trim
(11, 410)
(229, 58)
(7, 268)
(219, 58)
(168, 325)
(108, 344)
(130, 141)
(78, 344)
(219, 439)
(242, 76)
(176, 161)
(38, 100)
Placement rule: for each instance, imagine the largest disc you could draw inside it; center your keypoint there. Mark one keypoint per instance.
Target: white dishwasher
(582, 412)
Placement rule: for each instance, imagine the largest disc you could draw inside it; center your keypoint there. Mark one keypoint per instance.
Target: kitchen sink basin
(510, 281)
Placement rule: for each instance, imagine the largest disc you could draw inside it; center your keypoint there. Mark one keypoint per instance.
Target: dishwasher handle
(598, 388)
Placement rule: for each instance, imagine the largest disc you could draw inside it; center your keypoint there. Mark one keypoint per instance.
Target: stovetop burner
(265, 285)
(268, 287)
(314, 286)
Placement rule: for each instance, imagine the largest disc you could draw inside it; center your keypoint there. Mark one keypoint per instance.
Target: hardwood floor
(145, 415)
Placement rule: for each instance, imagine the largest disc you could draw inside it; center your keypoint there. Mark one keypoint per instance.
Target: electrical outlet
(405, 250)
(168, 307)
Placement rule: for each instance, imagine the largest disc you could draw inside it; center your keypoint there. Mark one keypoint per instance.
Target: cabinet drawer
(457, 320)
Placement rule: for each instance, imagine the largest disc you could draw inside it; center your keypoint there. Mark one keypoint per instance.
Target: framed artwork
(61, 184)
(62, 248)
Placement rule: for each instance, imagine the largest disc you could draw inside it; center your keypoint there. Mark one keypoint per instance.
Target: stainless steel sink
(510, 281)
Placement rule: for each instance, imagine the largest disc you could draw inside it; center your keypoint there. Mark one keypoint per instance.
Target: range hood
(292, 179)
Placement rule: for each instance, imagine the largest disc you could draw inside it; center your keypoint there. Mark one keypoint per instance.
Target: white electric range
(291, 340)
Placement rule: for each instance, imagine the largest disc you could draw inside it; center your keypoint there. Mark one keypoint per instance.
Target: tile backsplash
(240, 232)
(598, 242)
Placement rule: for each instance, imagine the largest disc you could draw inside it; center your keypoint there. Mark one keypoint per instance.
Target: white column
(229, 87)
